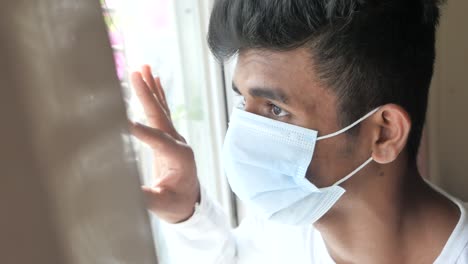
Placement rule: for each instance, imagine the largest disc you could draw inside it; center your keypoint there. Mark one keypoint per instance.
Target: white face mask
(266, 162)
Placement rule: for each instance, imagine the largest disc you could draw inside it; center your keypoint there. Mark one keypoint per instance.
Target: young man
(323, 148)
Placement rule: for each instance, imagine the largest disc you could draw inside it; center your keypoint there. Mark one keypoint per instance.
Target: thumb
(151, 190)
(154, 137)
(152, 196)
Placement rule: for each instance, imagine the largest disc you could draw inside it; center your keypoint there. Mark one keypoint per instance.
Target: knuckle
(189, 151)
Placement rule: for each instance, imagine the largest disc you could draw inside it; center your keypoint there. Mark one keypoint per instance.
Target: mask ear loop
(344, 130)
(348, 127)
(354, 171)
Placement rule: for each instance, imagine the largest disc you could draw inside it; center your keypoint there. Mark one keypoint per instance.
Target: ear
(394, 125)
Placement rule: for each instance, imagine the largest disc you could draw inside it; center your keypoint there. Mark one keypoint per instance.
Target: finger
(148, 78)
(153, 109)
(152, 197)
(156, 195)
(149, 189)
(162, 95)
(162, 182)
(155, 86)
(155, 138)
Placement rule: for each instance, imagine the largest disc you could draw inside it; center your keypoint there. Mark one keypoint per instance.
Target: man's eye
(278, 111)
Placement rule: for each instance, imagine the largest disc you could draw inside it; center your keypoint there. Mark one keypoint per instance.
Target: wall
(448, 113)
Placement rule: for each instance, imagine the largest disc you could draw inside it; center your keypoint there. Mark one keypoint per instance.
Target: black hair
(370, 53)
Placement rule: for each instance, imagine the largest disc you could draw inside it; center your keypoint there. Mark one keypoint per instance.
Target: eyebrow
(265, 92)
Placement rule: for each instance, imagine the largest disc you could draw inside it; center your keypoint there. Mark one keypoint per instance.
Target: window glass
(170, 37)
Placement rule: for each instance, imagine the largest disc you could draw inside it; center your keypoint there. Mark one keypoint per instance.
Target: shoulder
(456, 248)
(463, 257)
(461, 238)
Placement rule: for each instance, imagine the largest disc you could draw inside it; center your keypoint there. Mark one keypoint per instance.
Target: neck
(382, 212)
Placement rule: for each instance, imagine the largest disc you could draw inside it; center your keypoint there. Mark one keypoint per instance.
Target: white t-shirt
(206, 238)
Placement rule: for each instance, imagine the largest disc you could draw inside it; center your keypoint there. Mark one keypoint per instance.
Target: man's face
(284, 86)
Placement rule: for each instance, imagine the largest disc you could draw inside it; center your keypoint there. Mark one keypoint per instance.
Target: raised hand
(177, 188)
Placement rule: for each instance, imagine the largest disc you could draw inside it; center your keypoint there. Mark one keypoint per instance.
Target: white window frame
(217, 101)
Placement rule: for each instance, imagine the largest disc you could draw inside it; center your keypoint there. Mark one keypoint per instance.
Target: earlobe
(393, 126)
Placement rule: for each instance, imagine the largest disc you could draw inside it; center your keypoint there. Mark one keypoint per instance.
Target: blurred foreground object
(69, 188)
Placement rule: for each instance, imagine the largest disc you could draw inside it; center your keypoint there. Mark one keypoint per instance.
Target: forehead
(273, 66)
(292, 72)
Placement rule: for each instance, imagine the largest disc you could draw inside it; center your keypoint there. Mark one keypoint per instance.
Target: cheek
(332, 160)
